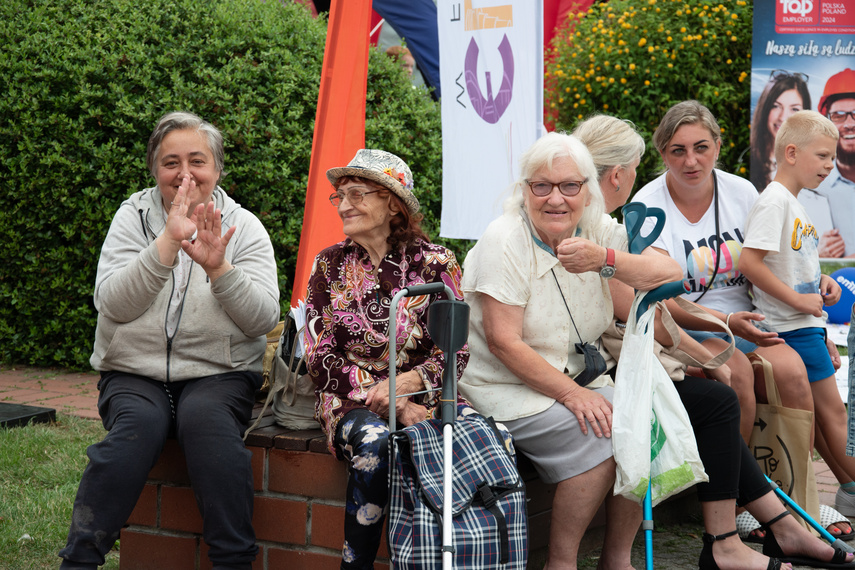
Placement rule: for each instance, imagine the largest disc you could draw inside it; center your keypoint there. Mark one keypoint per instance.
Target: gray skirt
(555, 444)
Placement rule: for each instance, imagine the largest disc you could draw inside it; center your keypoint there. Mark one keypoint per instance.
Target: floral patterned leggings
(362, 438)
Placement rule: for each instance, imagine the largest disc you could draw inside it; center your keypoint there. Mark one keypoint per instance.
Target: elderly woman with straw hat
(348, 301)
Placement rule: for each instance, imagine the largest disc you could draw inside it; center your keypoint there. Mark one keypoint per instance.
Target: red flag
(339, 128)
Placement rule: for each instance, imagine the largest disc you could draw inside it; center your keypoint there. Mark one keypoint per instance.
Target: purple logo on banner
(490, 109)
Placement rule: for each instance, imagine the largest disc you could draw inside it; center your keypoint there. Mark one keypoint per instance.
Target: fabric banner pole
(339, 128)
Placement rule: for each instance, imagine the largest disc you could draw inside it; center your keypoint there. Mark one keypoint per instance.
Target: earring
(617, 189)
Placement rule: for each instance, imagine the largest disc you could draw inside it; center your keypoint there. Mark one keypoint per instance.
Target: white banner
(491, 72)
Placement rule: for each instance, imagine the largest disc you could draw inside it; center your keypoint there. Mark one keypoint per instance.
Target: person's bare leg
(831, 421)
(730, 553)
(842, 478)
(623, 517)
(574, 505)
(793, 538)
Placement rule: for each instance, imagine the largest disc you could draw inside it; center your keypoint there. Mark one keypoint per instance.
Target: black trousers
(207, 415)
(713, 409)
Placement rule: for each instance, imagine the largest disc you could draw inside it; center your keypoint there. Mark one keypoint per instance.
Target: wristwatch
(608, 270)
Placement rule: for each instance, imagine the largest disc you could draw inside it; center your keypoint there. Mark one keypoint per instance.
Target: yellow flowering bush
(635, 59)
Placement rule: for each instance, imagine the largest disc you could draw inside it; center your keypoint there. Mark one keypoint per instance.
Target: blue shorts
(809, 343)
(742, 345)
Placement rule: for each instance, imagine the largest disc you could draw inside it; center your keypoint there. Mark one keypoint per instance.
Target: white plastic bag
(652, 437)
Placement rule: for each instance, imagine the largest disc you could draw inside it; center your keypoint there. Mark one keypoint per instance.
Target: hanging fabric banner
(491, 69)
(339, 128)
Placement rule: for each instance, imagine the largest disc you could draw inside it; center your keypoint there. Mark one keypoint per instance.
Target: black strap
(710, 538)
(717, 238)
(489, 500)
(767, 524)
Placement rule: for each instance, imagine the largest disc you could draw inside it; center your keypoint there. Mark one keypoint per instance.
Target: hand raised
(579, 255)
(209, 247)
(178, 226)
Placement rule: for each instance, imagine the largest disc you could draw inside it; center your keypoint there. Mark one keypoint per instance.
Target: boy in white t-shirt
(780, 258)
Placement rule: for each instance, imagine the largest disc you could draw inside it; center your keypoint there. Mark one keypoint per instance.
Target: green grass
(40, 468)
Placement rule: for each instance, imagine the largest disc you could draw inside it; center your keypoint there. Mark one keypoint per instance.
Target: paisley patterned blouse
(347, 317)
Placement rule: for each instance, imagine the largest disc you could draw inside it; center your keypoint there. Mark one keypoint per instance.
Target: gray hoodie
(222, 325)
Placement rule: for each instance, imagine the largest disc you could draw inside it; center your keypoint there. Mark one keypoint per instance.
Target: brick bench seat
(298, 510)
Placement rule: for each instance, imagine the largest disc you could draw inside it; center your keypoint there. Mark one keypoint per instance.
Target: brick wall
(298, 510)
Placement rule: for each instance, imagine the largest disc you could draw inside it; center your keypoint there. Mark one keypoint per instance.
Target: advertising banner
(803, 58)
(491, 69)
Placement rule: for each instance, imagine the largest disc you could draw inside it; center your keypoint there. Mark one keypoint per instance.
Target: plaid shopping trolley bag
(489, 507)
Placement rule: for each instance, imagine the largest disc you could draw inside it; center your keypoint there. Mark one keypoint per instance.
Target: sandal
(749, 529)
(829, 518)
(707, 560)
(772, 548)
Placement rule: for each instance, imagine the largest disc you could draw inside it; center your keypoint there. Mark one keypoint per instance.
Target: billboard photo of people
(803, 58)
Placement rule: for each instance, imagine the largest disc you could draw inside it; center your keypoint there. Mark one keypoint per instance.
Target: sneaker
(845, 503)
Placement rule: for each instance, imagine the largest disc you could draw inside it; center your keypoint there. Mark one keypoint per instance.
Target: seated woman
(537, 286)
(186, 291)
(347, 315)
(701, 201)
(713, 409)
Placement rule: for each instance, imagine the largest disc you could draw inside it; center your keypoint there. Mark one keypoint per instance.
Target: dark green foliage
(83, 84)
(634, 60)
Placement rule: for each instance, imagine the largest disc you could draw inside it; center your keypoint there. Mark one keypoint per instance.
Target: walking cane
(634, 216)
(836, 543)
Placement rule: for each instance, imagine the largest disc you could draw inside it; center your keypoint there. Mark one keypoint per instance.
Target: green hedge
(83, 84)
(635, 59)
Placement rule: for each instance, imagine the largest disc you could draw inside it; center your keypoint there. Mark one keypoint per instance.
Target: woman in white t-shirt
(705, 210)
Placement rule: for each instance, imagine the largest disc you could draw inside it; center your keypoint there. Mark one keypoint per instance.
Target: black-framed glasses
(543, 188)
(783, 74)
(353, 195)
(839, 117)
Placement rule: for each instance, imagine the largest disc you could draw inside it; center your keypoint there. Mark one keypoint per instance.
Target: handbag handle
(674, 332)
(772, 394)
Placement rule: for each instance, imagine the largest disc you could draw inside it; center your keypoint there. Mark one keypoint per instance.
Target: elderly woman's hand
(209, 247)
(411, 413)
(377, 399)
(579, 255)
(591, 407)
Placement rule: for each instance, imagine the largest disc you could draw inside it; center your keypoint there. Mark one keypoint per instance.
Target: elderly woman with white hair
(537, 283)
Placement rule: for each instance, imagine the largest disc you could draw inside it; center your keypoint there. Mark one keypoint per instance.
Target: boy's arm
(752, 266)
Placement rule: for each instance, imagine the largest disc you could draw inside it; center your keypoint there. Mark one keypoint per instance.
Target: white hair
(542, 154)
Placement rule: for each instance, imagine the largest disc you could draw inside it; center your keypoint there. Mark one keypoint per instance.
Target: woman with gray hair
(186, 291)
(537, 283)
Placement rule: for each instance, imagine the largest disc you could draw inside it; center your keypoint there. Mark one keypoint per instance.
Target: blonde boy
(780, 258)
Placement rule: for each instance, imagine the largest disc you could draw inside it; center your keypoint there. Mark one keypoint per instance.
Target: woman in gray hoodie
(186, 290)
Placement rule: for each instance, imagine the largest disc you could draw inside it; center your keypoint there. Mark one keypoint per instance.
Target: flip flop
(828, 516)
(749, 529)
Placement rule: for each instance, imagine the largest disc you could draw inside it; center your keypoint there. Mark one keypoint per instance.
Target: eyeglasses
(543, 188)
(783, 74)
(353, 195)
(839, 117)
